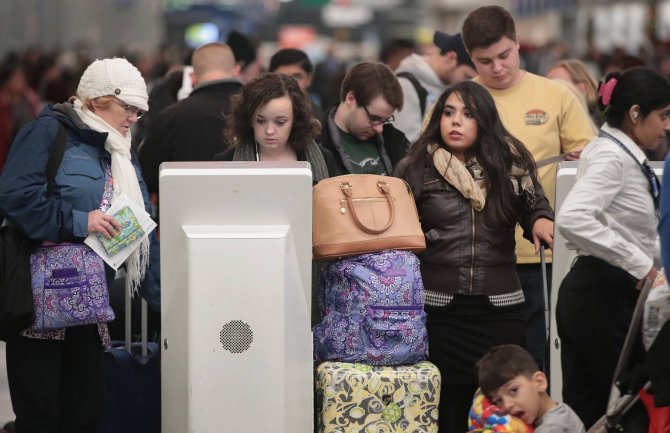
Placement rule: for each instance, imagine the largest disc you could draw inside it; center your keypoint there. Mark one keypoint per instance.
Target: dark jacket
(189, 130)
(79, 182)
(391, 144)
(462, 255)
(328, 157)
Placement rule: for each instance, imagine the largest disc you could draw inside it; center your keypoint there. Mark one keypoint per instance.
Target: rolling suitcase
(132, 381)
(352, 398)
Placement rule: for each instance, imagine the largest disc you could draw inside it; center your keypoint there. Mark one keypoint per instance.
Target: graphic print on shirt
(536, 117)
(367, 162)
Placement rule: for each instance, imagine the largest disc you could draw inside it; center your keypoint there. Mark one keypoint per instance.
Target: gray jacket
(409, 119)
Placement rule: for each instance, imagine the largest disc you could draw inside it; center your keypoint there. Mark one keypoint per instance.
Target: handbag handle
(384, 188)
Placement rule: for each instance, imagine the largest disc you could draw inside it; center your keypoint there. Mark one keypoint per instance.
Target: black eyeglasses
(130, 109)
(376, 120)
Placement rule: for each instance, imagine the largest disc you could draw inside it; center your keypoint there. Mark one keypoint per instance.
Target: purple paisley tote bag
(69, 287)
(372, 309)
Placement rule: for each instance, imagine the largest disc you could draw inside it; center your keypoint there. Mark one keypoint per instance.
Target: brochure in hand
(130, 230)
(136, 224)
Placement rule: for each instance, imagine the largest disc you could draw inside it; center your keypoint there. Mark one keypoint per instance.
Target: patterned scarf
(460, 176)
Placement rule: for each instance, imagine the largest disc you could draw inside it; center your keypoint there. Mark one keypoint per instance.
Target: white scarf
(125, 181)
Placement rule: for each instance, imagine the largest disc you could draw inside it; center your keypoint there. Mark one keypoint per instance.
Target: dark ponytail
(635, 86)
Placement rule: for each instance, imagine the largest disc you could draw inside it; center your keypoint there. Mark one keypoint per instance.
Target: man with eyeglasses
(358, 130)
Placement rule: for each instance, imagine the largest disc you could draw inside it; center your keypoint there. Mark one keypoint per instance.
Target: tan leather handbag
(363, 213)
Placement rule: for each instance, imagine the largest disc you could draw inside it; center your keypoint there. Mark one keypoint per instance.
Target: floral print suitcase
(360, 398)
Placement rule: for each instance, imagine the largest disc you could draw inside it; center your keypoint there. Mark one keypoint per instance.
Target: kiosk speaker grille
(236, 336)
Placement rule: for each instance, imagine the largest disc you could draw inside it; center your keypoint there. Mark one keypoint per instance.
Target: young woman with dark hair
(473, 182)
(271, 120)
(610, 219)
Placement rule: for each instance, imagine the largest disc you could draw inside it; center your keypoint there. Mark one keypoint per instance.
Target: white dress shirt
(609, 213)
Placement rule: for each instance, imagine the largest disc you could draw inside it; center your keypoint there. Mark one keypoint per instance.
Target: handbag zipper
(343, 201)
(396, 307)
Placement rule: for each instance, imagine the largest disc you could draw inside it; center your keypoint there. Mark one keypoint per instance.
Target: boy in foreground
(510, 378)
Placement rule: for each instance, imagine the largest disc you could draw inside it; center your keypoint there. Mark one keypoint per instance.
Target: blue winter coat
(79, 182)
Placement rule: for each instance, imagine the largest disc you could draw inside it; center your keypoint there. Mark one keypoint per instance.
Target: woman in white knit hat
(55, 375)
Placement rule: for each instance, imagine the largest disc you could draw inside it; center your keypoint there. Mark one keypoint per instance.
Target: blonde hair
(580, 74)
(91, 104)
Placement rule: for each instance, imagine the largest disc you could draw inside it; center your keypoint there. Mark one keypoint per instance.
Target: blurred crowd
(434, 117)
(35, 76)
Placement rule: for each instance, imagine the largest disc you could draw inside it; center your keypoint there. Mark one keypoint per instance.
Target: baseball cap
(243, 48)
(446, 43)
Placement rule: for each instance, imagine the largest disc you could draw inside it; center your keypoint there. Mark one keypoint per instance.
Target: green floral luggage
(359, 398)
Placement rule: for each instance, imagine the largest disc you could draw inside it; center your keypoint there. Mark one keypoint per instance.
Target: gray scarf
(246, 151)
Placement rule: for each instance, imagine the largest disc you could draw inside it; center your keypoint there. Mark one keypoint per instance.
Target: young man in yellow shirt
(543, 114)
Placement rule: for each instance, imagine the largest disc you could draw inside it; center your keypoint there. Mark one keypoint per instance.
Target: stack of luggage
(371, 344)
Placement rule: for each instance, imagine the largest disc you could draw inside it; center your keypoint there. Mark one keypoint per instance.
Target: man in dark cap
(293, 62)
(246, 55)
(423, 78)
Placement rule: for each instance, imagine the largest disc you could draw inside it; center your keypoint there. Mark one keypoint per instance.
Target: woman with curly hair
(271, 120)
(473, 183)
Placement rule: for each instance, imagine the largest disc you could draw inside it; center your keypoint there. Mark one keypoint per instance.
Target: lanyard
(654, 184)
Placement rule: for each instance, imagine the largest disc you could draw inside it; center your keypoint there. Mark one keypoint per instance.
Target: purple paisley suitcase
(372, 309)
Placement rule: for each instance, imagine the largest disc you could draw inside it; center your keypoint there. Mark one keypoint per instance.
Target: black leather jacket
(463, 255)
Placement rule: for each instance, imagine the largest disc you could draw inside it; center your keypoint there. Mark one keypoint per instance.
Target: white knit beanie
(116, 77)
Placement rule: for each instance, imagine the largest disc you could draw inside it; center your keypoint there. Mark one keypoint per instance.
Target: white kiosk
(562, 260)
(235, 297)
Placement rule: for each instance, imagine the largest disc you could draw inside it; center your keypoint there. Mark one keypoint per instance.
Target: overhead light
(346, 16)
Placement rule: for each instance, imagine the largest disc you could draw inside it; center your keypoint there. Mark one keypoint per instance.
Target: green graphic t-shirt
(364, 155)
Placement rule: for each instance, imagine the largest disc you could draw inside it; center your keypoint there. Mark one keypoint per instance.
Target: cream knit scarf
(125, 181)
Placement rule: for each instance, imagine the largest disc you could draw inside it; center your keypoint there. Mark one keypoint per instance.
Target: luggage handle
(545, 298)
(384, 188)
(143, 324)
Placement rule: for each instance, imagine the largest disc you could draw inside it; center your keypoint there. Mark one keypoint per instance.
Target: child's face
(524, 397)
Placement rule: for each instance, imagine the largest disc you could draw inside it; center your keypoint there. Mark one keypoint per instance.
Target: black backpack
(420, 90)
